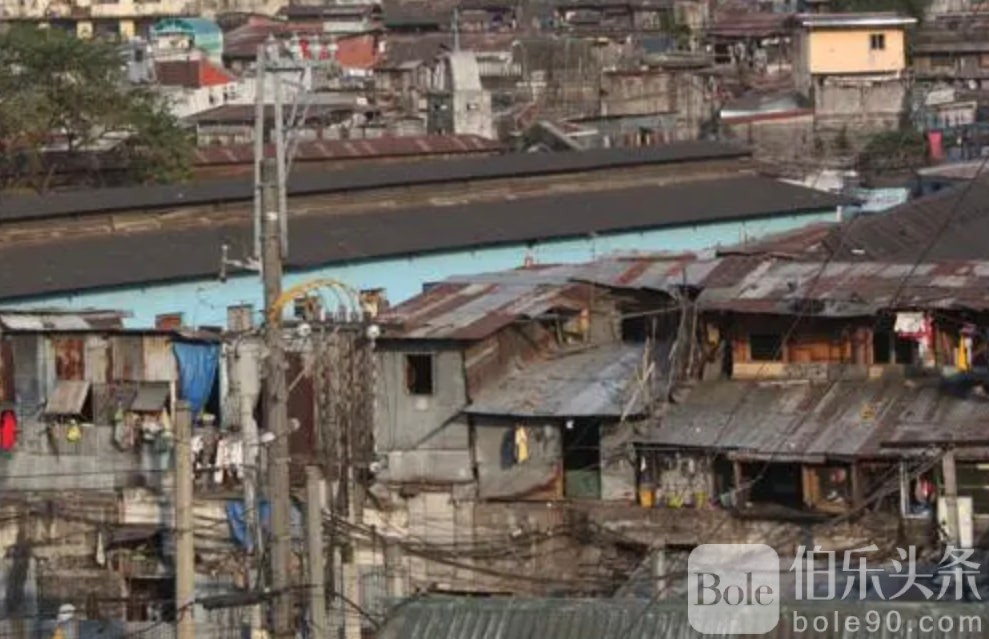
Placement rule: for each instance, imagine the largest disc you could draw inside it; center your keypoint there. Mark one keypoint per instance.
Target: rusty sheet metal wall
(159, 361)
(107, 397)
(7, 372)
(69, 357)
(29, 373)
(127, 355)
(489, 359)
(97, 357)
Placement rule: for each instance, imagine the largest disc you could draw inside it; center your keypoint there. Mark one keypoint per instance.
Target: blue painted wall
(204, 302)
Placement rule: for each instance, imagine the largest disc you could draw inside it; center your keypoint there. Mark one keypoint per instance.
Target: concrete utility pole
(276, 409)
(259, 118)
(314, 547)
(185, 552)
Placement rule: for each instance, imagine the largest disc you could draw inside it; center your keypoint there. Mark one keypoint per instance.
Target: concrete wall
(637, 93)
(863, 99)
(204, 302)
(617, 463)
(776, 139)
(93, 463)
(834, 51)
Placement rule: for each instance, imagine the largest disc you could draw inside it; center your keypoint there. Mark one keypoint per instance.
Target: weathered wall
(859, 99)
(423, 437)
(617, 462)
(44, 458)
(539, 477)
(637, 93)
(782, 139)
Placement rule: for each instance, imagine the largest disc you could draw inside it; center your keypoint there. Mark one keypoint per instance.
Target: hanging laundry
(8, 431)
(910, 325)
(521, 444)
(963, 358)
(935, 144)
(73, 433)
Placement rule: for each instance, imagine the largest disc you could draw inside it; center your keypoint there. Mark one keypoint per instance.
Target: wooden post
(856, 479)
(741, 495)
(185, 560)
(904, 490)
(951, 495)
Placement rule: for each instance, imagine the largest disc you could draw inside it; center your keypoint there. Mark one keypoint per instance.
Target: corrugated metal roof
(847, 289)
(854, 20)
(510, 618)
(150, 398)
(594, 382)
(53, 321)
(803, 419)
(951, 224)
(471, 311)
(68, 398)
(324, 150)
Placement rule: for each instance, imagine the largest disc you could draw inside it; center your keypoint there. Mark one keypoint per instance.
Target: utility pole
(259, 119)
(314, 546)
(276, 396)
(185, 552)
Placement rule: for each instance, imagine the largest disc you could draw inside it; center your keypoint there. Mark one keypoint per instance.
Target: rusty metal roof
(653, 271)
(472, 311)
(597, 382)
(850, 289)
(56, 321)
(68, 398)
(326, 150)
(739, 24)
(802, 419)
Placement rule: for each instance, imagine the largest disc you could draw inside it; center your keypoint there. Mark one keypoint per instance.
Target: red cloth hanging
(8, 431)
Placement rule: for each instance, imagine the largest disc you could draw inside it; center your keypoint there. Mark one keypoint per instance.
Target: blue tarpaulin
(238, 527)
(197, 371)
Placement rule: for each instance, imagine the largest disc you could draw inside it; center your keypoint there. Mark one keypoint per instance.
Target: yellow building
(849, 44)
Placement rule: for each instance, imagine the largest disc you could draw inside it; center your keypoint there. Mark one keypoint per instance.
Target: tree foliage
(893, 151)
(59, 92)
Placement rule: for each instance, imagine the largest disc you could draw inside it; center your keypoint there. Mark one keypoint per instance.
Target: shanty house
(94, 402)
(828, 387)
(524, 382)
